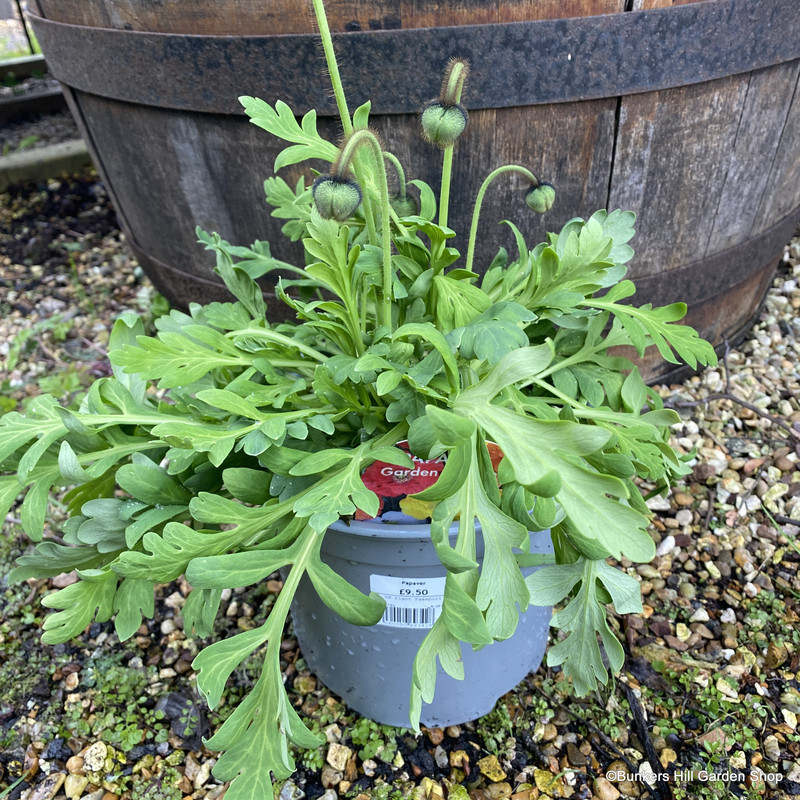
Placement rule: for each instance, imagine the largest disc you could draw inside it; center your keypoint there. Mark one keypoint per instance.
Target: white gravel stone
(728, 615)
(665, 545)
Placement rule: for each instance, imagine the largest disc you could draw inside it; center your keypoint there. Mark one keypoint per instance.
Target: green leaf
(280, 121)
(450, 429)
(427, 332)
(361, 115)
(247, 485)
(518, 366)
(134, 599)
(634, 391)
(340, 596)
(52, 559)
(9, 491)
(537, 448)
(216, 440)
(69, 466)
(174, 358)
(149, 520)
(236, 569)
(230, 402)
(34, 506)
(41, 421)
(255, 736)
(215, 663)
(167, 554)
(317, 463)
(625, 591)
(387, 382)
(501, 587)
(127, 328)
(200, 610)
(461, 615)
(646, 325)
(458, 302)
(79, 604)
(584, 617)
(339, 494)
(151, 484)
(439, 642)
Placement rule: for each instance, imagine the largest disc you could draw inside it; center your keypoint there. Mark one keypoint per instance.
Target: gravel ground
(38, 130)
(711, 677)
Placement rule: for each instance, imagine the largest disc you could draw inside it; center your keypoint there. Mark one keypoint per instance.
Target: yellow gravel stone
(667, 757)
(94, 759)
(432, 789)
(490, 767)
(338, 756)
(74, 786)
(547, 782)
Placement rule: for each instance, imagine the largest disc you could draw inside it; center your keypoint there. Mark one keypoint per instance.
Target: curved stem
(341, 105)
(346, 156)
(476, 212)
(401, 175)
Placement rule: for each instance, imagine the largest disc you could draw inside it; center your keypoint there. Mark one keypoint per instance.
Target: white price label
(410, 602)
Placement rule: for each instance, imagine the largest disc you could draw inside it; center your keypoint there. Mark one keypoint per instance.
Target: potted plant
(224, 447)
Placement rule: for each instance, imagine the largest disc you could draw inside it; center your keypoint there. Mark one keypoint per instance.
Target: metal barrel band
(701, 279)
(521, 63)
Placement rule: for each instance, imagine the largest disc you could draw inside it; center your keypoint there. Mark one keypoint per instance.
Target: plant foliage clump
(224, 446)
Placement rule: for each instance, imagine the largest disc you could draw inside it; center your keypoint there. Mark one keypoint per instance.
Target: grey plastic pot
(370, 667)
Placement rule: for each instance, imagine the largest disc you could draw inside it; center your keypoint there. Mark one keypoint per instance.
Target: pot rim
(388, 530)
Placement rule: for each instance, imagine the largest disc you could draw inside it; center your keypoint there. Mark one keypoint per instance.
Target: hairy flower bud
(443, 124)
(540, 198)
(335, 197)
(405, 206)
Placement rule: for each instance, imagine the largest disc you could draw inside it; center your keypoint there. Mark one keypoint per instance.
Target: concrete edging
(23, 66)
(41, 163)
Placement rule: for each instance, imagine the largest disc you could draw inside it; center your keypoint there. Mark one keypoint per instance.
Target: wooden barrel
(687, 113)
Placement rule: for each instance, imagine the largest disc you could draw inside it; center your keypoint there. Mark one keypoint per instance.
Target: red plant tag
(393, 484)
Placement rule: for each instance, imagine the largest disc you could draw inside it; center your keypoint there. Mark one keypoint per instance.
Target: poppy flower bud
(540, 198)
(404, 206)
(443, 124)
(335, 197)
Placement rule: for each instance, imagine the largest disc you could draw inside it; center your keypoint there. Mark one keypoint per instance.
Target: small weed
(56, 326)
(495, 729)
(375, 741)
(24, 144)
(67, 385)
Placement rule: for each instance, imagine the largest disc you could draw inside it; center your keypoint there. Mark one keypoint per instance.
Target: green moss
(162, 786)
(124, 716)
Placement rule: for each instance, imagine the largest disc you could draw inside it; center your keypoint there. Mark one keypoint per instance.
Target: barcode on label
(410, 602)
(410, 617)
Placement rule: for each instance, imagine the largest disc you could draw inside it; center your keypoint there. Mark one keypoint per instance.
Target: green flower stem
(369, 211)
(401, 175)
(401, 229)
(444, 194)
(473, 231)
(451, 94)
(341, 105)
(346, 157)
(279, 338)
(333, 66)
